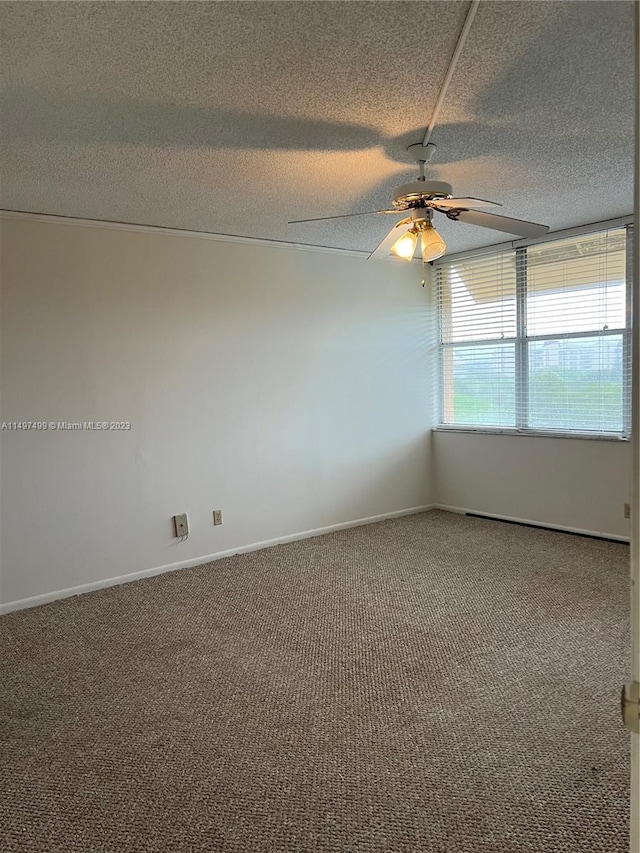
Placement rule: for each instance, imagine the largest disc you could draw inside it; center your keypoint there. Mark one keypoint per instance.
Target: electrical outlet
(217, 516)
(182, 524)
(627, 510)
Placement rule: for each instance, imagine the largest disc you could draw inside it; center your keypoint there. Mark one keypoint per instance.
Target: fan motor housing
(418, 192)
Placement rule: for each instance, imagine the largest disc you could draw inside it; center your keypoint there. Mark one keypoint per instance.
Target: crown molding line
(178, 232)
(306, 247)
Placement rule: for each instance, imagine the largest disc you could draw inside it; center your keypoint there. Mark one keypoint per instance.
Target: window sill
(533, 433)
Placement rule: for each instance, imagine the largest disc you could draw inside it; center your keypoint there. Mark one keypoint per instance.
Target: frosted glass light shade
(405, 246)
(432, 244)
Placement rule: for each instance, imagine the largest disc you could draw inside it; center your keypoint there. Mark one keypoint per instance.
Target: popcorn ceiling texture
(431, 684)
(234, 117)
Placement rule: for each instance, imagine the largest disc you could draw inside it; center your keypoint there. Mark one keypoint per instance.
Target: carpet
(430, 684)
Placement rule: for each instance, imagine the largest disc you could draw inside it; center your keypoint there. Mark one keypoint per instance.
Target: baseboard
(598, 534)
(47, 597)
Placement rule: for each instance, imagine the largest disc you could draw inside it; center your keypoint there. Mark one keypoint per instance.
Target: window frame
(521, 341)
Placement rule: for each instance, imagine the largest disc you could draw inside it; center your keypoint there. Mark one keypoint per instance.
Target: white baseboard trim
(461, 510)
(45, 598)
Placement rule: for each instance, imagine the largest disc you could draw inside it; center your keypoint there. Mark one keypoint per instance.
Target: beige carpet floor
(430, 684)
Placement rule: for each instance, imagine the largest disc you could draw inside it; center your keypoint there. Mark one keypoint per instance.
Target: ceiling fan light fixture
(431, 243)
(405, 246)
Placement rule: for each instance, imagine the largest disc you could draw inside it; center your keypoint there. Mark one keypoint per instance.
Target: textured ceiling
(234, 117)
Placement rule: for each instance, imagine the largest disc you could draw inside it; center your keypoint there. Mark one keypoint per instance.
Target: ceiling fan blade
(468, 203)
(499, 223)
(382, 250)
(341, 216)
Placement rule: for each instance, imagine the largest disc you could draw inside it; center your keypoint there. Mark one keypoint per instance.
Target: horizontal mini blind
(578, 366)
(478, 324)
(538, 338)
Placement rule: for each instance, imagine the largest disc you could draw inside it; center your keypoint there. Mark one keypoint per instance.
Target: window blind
(538, 338)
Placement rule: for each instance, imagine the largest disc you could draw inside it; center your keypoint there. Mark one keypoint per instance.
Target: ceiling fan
(421, 199)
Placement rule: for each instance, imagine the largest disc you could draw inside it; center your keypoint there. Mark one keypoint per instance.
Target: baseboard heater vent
(545, 527)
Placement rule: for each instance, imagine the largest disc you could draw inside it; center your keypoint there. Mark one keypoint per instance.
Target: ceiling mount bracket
(422, 153)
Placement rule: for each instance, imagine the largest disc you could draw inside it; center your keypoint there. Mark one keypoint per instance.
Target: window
(538, 338)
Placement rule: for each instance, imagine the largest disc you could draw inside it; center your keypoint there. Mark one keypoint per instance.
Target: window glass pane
(479, 385)
(478, 299)
(576, 384)
(576, 285)
(568, 316)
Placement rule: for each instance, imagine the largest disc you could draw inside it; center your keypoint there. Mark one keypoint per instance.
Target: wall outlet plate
(217, 516)
(627, 510)
(182, 524)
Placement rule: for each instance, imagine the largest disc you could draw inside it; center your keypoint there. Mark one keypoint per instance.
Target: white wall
(575, 483)
(291, 389)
